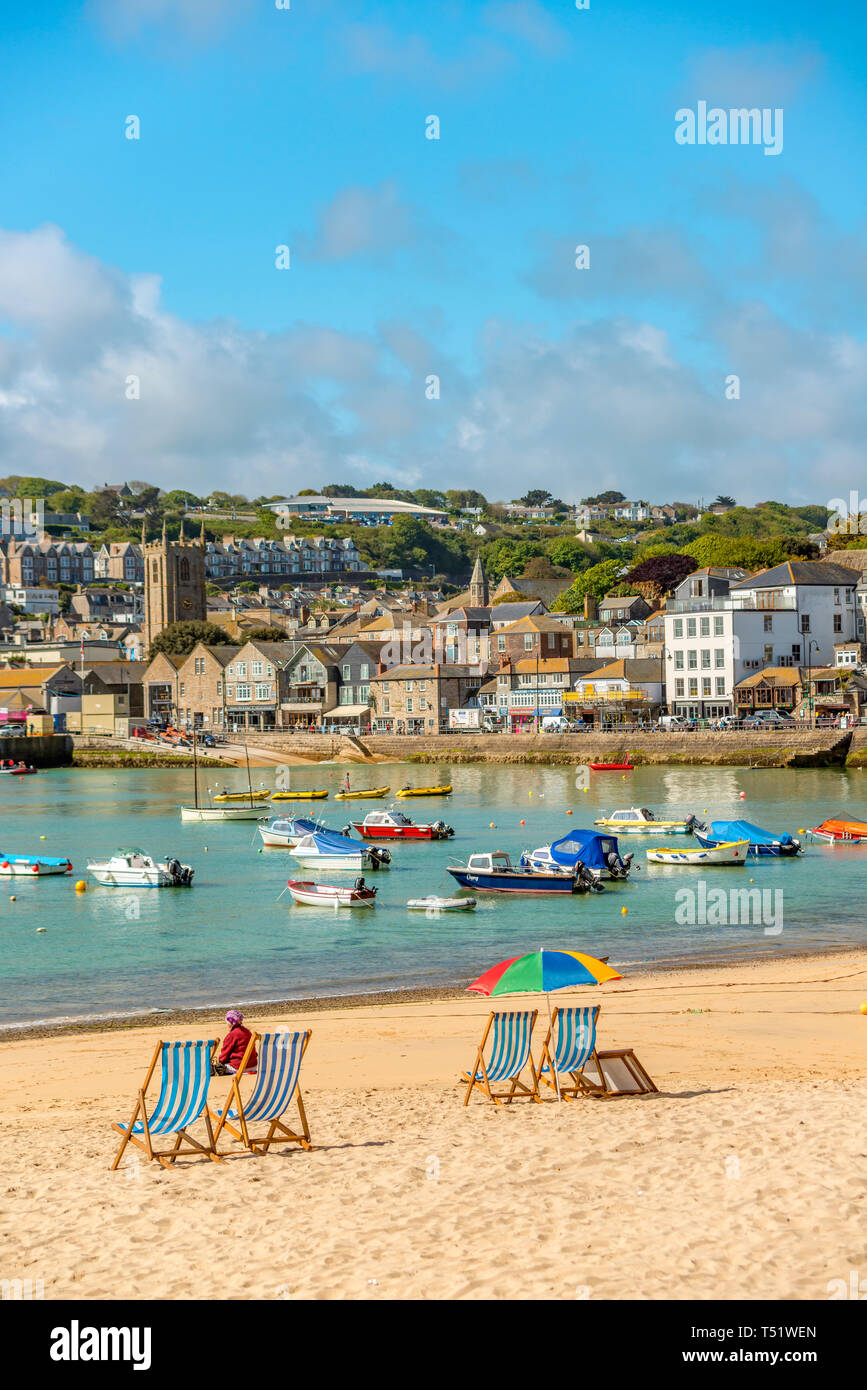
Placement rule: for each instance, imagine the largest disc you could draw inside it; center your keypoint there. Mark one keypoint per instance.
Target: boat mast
(195, 772)
(249, 783)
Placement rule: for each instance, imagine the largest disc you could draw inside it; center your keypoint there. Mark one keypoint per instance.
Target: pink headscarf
(234, 1016)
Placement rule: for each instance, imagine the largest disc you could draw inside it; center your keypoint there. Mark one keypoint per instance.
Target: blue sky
(155, 257)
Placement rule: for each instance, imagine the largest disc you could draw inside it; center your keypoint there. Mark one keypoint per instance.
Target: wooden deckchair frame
(285, 1135)
(500, 1097)
(644, 1083)
(165, 1157)
(581, 1085)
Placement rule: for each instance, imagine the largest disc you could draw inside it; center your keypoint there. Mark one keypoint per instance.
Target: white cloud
(362, 222)
(200, 20)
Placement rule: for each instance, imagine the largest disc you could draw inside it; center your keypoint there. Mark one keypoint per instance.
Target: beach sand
(744, 1178)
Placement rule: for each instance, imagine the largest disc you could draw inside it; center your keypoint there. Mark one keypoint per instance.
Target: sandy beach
(744, 1177)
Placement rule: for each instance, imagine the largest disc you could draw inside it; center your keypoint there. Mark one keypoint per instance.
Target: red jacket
(235, 1045)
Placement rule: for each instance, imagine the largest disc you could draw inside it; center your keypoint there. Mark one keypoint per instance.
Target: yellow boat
(243, 796)
(426, 791)
(368, 795)
(315, 794)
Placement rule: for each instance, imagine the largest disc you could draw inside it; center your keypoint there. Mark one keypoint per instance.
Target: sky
(283, 282)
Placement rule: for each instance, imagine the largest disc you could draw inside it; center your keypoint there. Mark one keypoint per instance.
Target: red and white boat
(611, 767)
(839, 831)
(18, 769)
(394, 825)
(331, 895)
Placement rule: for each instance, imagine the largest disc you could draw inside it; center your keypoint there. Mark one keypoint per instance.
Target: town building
(416, 699)
(174, 585)
(365, 511)
(535, 637)
(121, 561)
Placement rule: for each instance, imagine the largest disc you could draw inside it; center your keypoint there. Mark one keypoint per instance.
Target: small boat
(639, 821)
(761, 842)
(370, 795)
(331, 895)
(19, 770)
(214, 813)
(435, 905)
(285, 831)
(736, 852)
(611, 767)
(598, 855)
(132, 868)
(444, 790)
(394, 825)
(849, 832)
(243, 796)
(315, 794)
(322, 849)
(30, 865)
(495, 873)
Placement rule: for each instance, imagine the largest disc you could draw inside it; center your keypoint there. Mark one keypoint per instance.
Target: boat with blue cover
(326, 849)
(494, 872)
(32, 865)
(761, 842)
(598, 854)
(286, 831)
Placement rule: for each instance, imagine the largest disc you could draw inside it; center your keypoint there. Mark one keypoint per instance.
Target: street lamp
(810, 645)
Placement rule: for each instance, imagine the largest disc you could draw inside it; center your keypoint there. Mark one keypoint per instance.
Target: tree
(267, 634)
(177, 500)
(604, 499)
(570, 553)
(659, 575)
(536, 497)
(724, 502)
(178, 639)
(597, 581)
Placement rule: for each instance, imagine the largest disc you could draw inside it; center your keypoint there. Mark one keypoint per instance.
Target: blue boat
(598, 854)
(761, 842)
(495, 873)
(31, 865)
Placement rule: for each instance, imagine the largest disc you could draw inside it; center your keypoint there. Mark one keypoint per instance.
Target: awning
(554, 711)
(347, 711)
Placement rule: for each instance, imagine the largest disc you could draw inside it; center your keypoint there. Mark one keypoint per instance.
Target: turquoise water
(233, 939)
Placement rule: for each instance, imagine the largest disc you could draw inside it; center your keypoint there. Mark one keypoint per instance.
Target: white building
(33, 600)
(792, 615)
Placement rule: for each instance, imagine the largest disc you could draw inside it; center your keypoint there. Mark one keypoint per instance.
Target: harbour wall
(40, 750)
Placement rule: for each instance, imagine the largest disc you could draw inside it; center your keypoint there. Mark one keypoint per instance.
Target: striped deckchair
(510, 1053)
(186, 1072)
(276, 1086)
(576, 1044)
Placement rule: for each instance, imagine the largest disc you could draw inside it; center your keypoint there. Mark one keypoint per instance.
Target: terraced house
(290, 558)
(26, 562)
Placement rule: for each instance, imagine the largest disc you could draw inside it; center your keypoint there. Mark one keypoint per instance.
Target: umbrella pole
(553, 1053)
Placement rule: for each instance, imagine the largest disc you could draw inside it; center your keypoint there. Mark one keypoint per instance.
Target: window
(696, 588)
(199, 665)
(242, 692)
(719, 657)
(501, 644)
(678, 687)
(678, 627)
(409, 706)
(386, 706)
(182, 688)
(705, 685)
(836, 596)
(552, 641)
(528, 641)
(692, 659)
(409, 685)
(678, 661)
(768, 653)
(838, 622)
(718, 627)
(705, 658)
(768, 622)
(720, 685)
(422, 704)
(347, 672)
(693, 686)
(263, 692)
(805, 622)
(422, 685)
(796, 651)
(241, 670)
(705, 627)
(690, 627)
(256, 668)
(502, 680)
(386, 686)
(363, 674)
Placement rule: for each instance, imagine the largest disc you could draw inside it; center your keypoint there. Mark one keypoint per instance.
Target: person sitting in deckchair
(235, 1045)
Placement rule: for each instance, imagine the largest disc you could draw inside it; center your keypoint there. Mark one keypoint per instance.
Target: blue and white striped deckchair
(183, 1098)
(276, 1086)
(575, 1046)
(510, 1053)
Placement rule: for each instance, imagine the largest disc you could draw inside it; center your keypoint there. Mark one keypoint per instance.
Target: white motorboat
(326, 850)
(284, 832)
(435, 905)
(731, 852)
(132, 868)
(331, 895)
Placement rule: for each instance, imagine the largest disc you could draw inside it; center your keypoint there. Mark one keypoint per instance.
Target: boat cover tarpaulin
(745, 830)
(585, 845)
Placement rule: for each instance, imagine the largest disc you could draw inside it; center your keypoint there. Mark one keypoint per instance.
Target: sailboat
(250, 811)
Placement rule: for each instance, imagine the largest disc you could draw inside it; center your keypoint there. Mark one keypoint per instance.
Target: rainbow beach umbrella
(540, 972)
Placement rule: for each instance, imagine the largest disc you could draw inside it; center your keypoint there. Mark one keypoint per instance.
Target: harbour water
(233, 938)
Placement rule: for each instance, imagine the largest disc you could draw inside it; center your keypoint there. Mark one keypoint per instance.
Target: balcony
(731, 604)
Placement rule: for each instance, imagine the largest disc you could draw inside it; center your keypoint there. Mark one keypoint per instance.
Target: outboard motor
(618, 867)
(180, 874)
(585, 881)
(378, 857)
(442, 830)
(693, 823)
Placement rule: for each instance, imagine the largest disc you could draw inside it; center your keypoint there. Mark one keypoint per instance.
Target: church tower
(174, 584)
(479, 594)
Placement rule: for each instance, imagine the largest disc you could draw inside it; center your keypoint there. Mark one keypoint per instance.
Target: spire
(181, 530)
(479, 593)
(164, 531)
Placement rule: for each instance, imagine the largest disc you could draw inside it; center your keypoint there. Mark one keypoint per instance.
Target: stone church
(174, 584)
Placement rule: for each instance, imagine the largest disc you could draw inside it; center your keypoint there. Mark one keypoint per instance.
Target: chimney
(589, 608)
